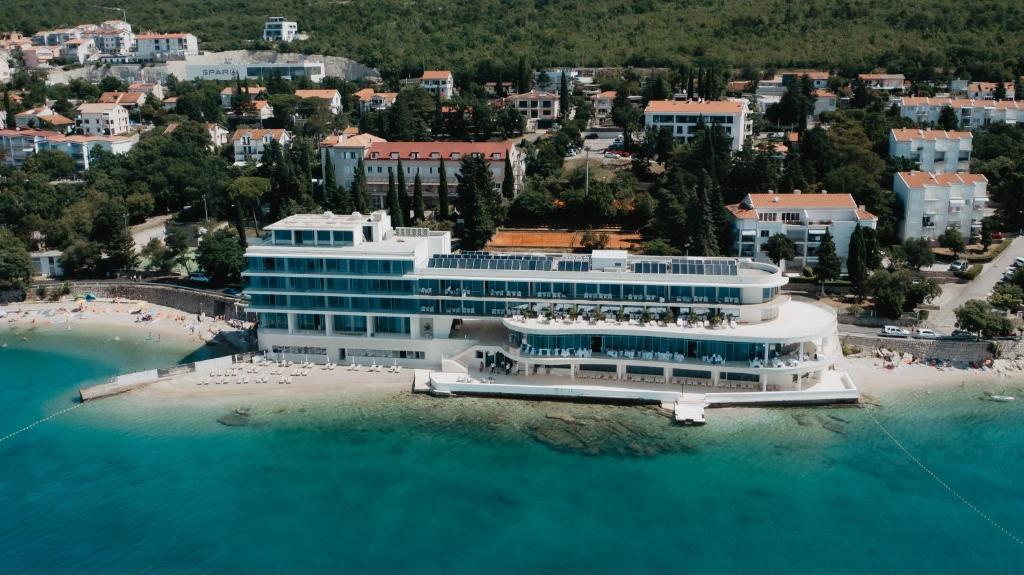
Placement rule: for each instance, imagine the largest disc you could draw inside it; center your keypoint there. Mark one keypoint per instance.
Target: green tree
(155, 253)
(51, 164)
(563, 96)
(418, 207)
(953, 241)
(120, 252)
(177, 247)
(987, 224)
(81, 258)
(15, 263)
(443, 210)
(361, 200)
(888, 289)
(856, 260)
(948, 119)
(245, 193)
(977, 316)
(829, 265)
(1000, 92)
(524, 76)
(337, 198)
(508, 182)
(221, 256)
(9, 111)
(779, 248)
(918, 253)
(403, 194)
(475, 204)
(393, 203)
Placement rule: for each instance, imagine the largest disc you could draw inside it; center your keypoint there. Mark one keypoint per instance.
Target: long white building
(803, 218)
(933, 203)
(161, 47)
(682, 117)
(20, 145)
(970, 114)
(352, 289)
(936, 151)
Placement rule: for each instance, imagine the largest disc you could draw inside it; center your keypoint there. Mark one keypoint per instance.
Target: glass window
(323, 237)
(282, 236)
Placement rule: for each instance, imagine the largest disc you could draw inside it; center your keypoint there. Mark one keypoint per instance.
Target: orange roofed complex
(683, 118)
(933, 203)
(381, 157)
(802, 218)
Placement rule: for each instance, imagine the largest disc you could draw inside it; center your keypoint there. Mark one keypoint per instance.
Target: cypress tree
(856, 260)
(361, 200)
(829, 265)
(418, 208)
(403, 193)
(689, 84)
(477, 224)
(394, 204)
(508, 184)
(336, 197)
(11, 121)
(442, 193)
(563, 96)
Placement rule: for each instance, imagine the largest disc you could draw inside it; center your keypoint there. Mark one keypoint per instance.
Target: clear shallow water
(431, 486)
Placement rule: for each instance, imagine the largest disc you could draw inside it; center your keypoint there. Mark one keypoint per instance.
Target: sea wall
(952, 351)
(188, 300)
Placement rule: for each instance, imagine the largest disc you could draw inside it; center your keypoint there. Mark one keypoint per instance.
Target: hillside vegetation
(915, 37)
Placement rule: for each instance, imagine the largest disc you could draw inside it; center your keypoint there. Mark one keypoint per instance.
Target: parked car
(592, 136)
(924, 333)
(199, 277)
(961, 334)
(998, 236)
(959, 266)
(1018, 262)
(611, 155)
(893, 331)
(233, 292)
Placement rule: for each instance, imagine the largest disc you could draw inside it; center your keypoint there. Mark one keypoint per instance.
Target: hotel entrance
(595, 344)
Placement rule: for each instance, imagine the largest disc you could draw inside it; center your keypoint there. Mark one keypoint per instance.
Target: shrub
(970, 273)
(41, 292)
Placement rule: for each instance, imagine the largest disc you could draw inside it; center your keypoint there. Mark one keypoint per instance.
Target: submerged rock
(234, 419)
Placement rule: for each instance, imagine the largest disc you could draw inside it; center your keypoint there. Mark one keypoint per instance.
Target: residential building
(227, 95)
(331, 97)
(381, 157)
(218, 134)
(803, 218)
(536, 105)
(228, 71)
(970, 114)
(353, 289)
(127, 100)
(603, 107)
(440, 83)
(683, 117)
(55, 38)
(47, 264)
(78, 50)
(887, 82)
(20, 145)
(775, 86)
(936, 151)
(933, 203)
(114, 38)
(37, 57)
(44, 118)
(277, 29)
(170, 103)
(987, 90)
(249, 143)
(102, 119)
(370, 101)
(5, 68)
(258, 110)
(160, 47)
(491, 88)
(824, 101)
(151, 89)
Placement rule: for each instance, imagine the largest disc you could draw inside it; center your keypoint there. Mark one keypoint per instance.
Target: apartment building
(218, 134)
(127, 100)
(933, 203)
(439, 83)
(683, 117)
(381, 158)
(277, 29)
(43, 118)
(936, 151)
(102, 119)
(36, 57)
(603, 102)
(331, 97)
(824, 101)
(19, 145)
(987, 91)
(161, 47)
(78, 50)
(885, 82)
(370, 101)
(151, 89)
(971, 114)
(249, 143)
(227, 95)
(536, 105)
(803, 218)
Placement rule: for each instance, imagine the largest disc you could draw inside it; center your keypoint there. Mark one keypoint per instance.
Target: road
(954, 295)
(155, 227)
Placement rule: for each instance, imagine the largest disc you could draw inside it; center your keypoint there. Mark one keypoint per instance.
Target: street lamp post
(206, 210)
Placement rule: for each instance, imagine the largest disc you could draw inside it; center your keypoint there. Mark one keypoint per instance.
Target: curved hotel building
(352, 289)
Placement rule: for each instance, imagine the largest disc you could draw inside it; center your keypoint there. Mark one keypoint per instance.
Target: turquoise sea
(422, 485)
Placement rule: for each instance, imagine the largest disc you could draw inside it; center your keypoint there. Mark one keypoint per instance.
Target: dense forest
(921, 38)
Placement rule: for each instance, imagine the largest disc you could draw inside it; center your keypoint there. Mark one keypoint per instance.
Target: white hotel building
(683, 116)
(970, 114)
(934, 202)
(936, 151)
(352, 289)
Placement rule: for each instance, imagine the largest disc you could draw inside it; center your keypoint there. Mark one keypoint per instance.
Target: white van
(893, 331)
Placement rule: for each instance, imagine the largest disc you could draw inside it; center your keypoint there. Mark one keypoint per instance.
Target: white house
(934, 202)
(37, 56)
(47, 264)
(249, 143)
(227, 95)
(970, 114)
(102, 119)
(987, 90)
(824, 101)
(603, 102)
(381, 157)
(78, 49)
(933, 150)
(151, 89)
(166, 46)
(682, 117)
(218, 134)
(802, 218)
(331, 97)
(20, 145)
(277, 29)
(536, 105)
(370, 101)
(886, 82)
(127, 100)
(438, 82)
(43, 117)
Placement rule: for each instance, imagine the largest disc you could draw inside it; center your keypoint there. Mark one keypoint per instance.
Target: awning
(749, 233)
(956, 202)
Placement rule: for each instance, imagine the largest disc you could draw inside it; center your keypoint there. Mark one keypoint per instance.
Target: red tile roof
(922, 179)
(695, 107)
(436, 74)
(322, 94)
(910, 134)
(423, 150)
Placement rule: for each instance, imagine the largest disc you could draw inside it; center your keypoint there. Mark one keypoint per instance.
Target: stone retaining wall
(952, 351)
(177, 297)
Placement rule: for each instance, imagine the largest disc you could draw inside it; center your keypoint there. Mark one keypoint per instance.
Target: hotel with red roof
(933, 203)
(682, 117)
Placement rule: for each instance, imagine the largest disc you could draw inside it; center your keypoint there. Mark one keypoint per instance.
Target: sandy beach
(155, 321)
(872, 377)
